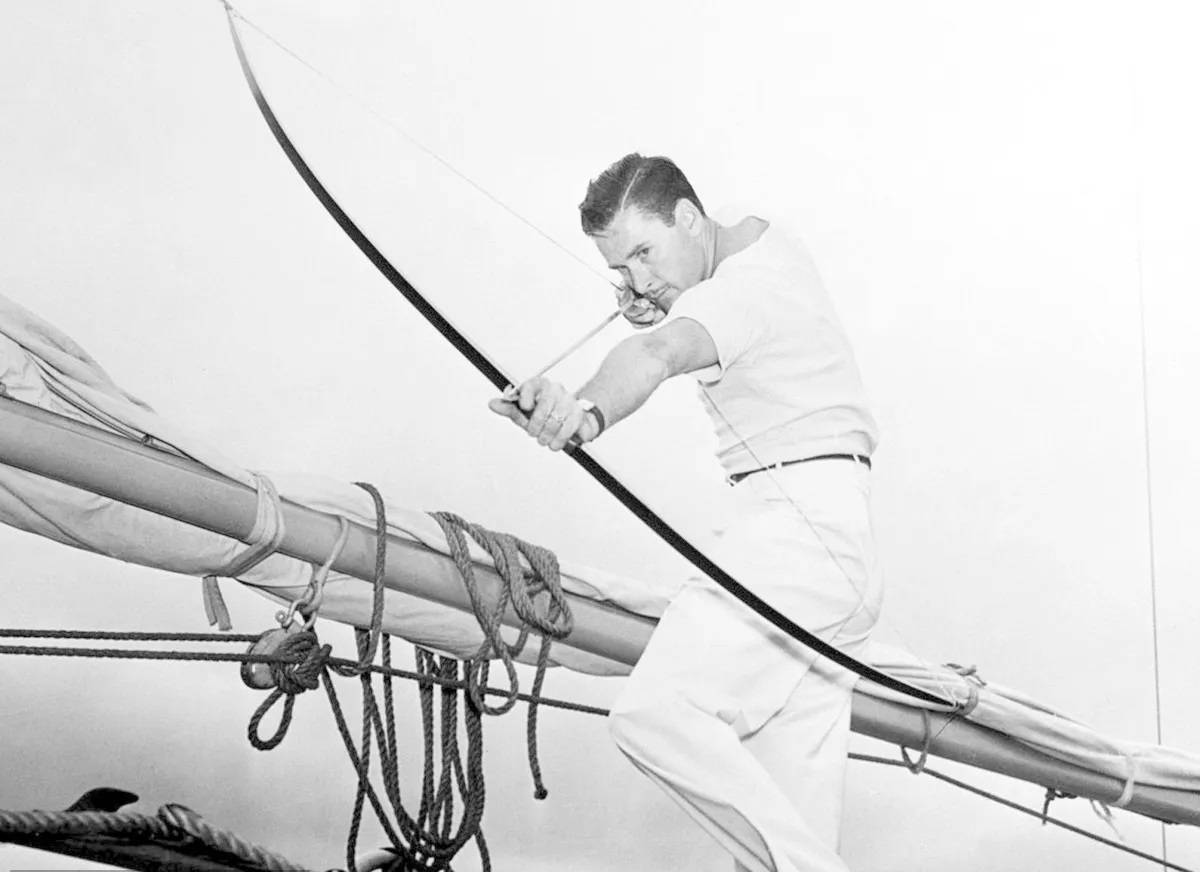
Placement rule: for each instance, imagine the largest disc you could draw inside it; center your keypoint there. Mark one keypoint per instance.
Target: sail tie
(1123, 800)
(973, 681)
(264, 539)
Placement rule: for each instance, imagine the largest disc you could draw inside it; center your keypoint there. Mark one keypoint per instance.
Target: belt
(857, 458)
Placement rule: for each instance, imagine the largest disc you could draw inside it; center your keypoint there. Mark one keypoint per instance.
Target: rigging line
(179, 655)
(422, 678)
(598, 472)
(1146, 442)
(1079, 831)
(416, 143)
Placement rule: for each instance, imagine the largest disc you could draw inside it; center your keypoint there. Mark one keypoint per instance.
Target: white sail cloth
(41, 366)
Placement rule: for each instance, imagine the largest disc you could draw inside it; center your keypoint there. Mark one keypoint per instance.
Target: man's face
(656, 261)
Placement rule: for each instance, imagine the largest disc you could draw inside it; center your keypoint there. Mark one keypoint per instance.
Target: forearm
(630, 373)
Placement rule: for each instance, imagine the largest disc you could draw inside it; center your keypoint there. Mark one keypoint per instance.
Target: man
(745, 728)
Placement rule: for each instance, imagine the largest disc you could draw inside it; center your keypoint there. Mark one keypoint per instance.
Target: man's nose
(639, 278)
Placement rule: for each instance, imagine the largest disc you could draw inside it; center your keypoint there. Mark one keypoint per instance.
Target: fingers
(639, 311)
(543, 409)
(572, 418)
(645, 316)
(539, 398)
(507, 408)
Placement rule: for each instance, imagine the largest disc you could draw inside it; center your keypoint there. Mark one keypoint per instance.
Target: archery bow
(490, 371)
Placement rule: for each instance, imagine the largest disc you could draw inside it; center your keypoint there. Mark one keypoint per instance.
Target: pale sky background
(995, 194)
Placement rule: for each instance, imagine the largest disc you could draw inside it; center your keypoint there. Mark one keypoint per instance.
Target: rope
(368, 642)
(1051, 795)
(309, 603)
(264, 539)
(532, 587)
(173, 823)
(187, 821)
(927, 729)
(11, 821)
(126, 635)
(267, 660)
(307, 661)
(83, 823)
(973, 682)
(522, 590)
(430, 840)
(1042, 816)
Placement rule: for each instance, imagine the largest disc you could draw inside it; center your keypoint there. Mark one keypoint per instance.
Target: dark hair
(653, 184)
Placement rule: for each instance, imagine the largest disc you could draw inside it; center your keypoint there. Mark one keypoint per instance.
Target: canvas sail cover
(41, 366)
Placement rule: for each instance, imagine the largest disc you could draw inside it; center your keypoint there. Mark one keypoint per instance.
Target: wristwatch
(590, 408)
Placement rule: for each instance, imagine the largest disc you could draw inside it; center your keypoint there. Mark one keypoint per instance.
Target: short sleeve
(732, 316)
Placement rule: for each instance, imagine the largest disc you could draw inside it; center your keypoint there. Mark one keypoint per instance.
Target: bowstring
(370, 109)
(387, 121)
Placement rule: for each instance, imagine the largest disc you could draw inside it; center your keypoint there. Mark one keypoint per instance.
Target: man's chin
(666, 301)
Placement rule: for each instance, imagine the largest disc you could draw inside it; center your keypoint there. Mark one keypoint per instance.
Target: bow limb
(493, 373)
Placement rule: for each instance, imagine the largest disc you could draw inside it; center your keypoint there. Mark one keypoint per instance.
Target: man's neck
(728, 241)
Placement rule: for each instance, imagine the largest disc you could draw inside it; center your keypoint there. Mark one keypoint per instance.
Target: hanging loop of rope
(534, 593)
(523, 590)
(303, 661)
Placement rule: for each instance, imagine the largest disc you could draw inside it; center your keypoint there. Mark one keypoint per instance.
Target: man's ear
(687, 213)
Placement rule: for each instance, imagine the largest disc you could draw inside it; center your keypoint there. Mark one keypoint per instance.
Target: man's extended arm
(630, 373)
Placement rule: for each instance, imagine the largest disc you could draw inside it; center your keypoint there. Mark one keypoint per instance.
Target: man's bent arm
(628, 376)
(635, 368)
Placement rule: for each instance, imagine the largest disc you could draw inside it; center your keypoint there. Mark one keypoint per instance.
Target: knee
(640, 720)
(633, 722)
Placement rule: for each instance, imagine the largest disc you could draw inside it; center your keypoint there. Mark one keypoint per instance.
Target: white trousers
(746, 729)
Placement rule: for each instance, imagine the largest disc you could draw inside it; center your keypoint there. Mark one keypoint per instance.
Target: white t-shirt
(786, 385)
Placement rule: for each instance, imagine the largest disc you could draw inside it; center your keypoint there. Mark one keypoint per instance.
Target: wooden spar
(166, 484)
(94, 460)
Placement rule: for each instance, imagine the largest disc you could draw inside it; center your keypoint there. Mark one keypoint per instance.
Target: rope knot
(304, 661)
(298, 663)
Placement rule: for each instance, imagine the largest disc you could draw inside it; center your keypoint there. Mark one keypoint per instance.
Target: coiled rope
(532, 589)
(535, 595)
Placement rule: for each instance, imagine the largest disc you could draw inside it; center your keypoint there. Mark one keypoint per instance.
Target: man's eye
(643, 254)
